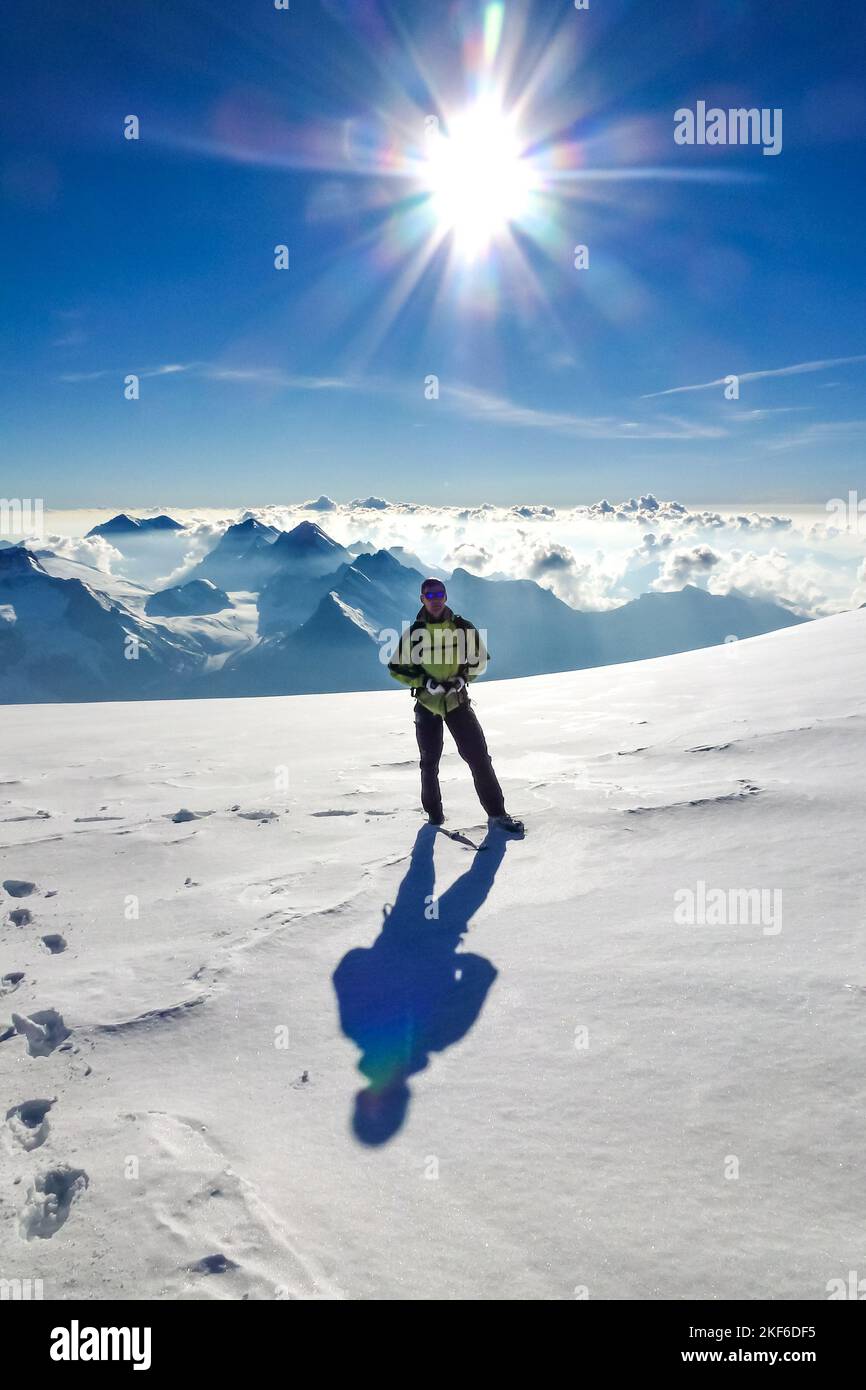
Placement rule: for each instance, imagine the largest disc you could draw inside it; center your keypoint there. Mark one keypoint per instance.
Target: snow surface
(186, 1153)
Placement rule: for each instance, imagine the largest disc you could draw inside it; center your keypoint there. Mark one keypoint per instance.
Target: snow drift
(295, 1045)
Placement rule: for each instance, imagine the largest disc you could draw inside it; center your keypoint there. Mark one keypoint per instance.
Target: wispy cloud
(797, 370)
(468, 401)
(822, 432)
(273, 376)
(483, 405)
(745, 417)
(169, 369)
(212, 371)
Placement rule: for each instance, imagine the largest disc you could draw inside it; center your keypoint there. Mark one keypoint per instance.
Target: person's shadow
(411, 993)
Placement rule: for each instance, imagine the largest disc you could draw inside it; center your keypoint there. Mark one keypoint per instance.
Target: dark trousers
(472, 747)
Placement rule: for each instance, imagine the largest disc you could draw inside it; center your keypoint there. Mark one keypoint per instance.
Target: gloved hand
(433, 686)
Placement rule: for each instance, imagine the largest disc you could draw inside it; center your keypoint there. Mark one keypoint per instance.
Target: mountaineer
(437, 657)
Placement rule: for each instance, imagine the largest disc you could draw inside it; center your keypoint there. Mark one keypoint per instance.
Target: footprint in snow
(10, 982)
(184, 815)
(18, 887)
(333, 813)
(28, 1122)
(54, 943)
(21, 916)
(213, 1264)
(50, 1200)
(44, 1031)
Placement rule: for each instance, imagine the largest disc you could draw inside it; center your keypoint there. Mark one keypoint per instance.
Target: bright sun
(477, 180)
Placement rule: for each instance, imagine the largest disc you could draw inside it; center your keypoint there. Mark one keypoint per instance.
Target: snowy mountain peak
(309, 530)
(17, 560)
(307, 536)
(307, 549)
(250, 526)
(124, 525)
(119, 525)
(198, 596)
(380, 565)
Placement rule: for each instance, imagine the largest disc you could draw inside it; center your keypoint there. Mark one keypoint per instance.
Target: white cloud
(798, 369)
(592, 556)
(584, 583)
(645, 510)
(469, 557)
(321, 504)
(551, 560)
(821, 432)
(215, 371)
(777, 578)
(682, 567)
(652, 547)
(531, 513)
(87, 550)
(199, 538)
(772, 576)
(755, 521)
(498, 410)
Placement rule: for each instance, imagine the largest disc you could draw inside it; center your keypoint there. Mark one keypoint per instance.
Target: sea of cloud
(594, 557)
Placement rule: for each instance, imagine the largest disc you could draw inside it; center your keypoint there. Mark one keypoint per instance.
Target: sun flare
(478, 181)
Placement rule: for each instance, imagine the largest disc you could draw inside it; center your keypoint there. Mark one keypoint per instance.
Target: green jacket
(449, 647)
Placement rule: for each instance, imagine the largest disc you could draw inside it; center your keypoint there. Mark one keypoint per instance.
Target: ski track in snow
(160, 1143)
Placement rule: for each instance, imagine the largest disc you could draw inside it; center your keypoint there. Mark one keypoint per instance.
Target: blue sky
(306, 128)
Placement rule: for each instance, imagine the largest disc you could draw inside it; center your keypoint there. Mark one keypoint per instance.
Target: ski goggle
(434, 593)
